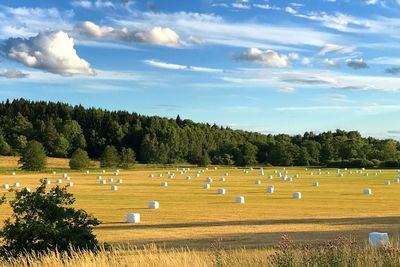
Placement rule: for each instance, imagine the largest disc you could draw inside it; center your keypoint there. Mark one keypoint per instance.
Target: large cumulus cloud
(51, 51)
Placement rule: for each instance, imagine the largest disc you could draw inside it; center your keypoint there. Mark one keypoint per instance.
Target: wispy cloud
(171, 66)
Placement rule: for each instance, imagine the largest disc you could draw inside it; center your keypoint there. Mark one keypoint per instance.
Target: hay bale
(341, 174)
(215, 168)
(270, 189)
(270, 177)
(366, 174)
(154, 205)
(104, 171)
(306, 169)
(14, 173)
(65, 175)
(258, 181)
(226, 174)
(119, 181)
(297, 195)
(48, 182)
(311, 173)
(240, 199)
(110, 180)
(367, 191)
(164, 184)
(206, 186)
(114, 188)
(397, 180)
(290, 179)
(133, 218)
(160, 175)
(197, 174)
(54, 172)
(99, 177)
(378, 239)
(17, 184)
(387, 182)
(67, 178)
(222, 179)
(316, 184)
(297, 176)
(188, 178)
(221, 191)
(27, 189)
(103, 182)
(59, 181)
(209, 180)
(87, 172)
(70, 184)
(6, 186)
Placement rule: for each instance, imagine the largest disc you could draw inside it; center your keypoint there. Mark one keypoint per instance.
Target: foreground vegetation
(340, 252)
(62, 129)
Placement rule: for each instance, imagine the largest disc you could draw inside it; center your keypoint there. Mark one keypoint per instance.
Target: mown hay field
(195, 217)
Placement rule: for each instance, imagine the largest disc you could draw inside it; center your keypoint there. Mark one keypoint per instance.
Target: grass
(190, 216)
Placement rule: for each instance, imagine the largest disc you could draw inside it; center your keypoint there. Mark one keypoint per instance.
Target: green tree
(5, 148)
(33, 157)
(247, 155)
(128, 158)
(44, 221)
(79, 160)
(110, 157)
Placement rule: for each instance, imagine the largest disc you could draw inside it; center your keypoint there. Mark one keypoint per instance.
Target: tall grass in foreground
(340, 252)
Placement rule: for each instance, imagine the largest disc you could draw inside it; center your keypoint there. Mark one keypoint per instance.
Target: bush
(33, 157)
(390, 164)
(110, 157)
(128, 158)
(79, 160)
(44, 221)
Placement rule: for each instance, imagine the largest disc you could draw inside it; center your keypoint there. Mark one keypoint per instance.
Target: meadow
(190, 216)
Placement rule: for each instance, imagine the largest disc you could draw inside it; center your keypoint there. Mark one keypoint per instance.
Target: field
(195, 217)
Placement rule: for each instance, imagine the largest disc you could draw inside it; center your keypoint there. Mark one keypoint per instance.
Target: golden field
(190, 216)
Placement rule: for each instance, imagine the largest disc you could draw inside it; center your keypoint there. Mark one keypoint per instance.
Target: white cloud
(12, 74)
(104, 4)
(171, 66)
(266, 6)
(306, 61)
(82, 3)
(49, 51)
(154, 35)
(369, 107)
(215, 30)
(286, 89)
(241, 6)
(264, 57)
(356, 63)
(328, 48)
(330, 62)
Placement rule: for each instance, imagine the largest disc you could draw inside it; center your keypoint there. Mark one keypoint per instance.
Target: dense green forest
(63, 128)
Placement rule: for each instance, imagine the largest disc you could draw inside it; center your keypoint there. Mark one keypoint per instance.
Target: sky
(267, 66)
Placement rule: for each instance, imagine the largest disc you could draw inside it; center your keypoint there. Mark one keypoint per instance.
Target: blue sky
(267, 66)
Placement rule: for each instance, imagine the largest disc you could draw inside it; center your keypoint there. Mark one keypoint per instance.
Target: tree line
(121, 138)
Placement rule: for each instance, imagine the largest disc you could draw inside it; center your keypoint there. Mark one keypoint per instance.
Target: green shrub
(33, 157)
(79, 160)
(44, 221)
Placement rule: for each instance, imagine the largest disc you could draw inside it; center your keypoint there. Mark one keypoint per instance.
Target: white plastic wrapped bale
(70, 184)
(133, 218)
(226, 174)
(306, 169)
(116, 173)
(397, 180)
(59, 181)
(151, 175)
(14, 173)
(378, 239)
(188, 178)
(222, 179)
(328, 173)
(87, 172)
(296, 176)
(160, 175)
(110, 180)
(170, 176)
(119, 181)
(337, 170)
(316, 184)
(284, 178)
(341, 175)
(103, 182)
(99, 177)
(48, 182)
(367, 191)
(387, 182)
(104, 171)
(54, 172)
(270, 189)
(154, 205)
(67, 178)
(258, 181)
(197, 174)
(247, 172)
(17, 184)
(6, 186)
(206, 186)
(114, 188)
(297, 195)
(363, 169)
(221, 191)
(366, 174)
(65, 175)
(270, 177)
(164, 184)
(27, 189)
(209, 180)
(240, 199)
(215, 168)
(311, 173)
(376, 174)
(261, 171)
(290, 179)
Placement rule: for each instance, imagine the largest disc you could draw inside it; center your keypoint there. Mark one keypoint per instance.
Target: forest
(63, 128)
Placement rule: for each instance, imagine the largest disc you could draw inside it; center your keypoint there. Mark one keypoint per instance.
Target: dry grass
(192, 216)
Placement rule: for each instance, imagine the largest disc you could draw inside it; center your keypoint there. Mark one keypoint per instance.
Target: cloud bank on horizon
(280, 59)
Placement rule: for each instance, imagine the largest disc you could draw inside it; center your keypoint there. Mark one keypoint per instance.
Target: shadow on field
(393, 220)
